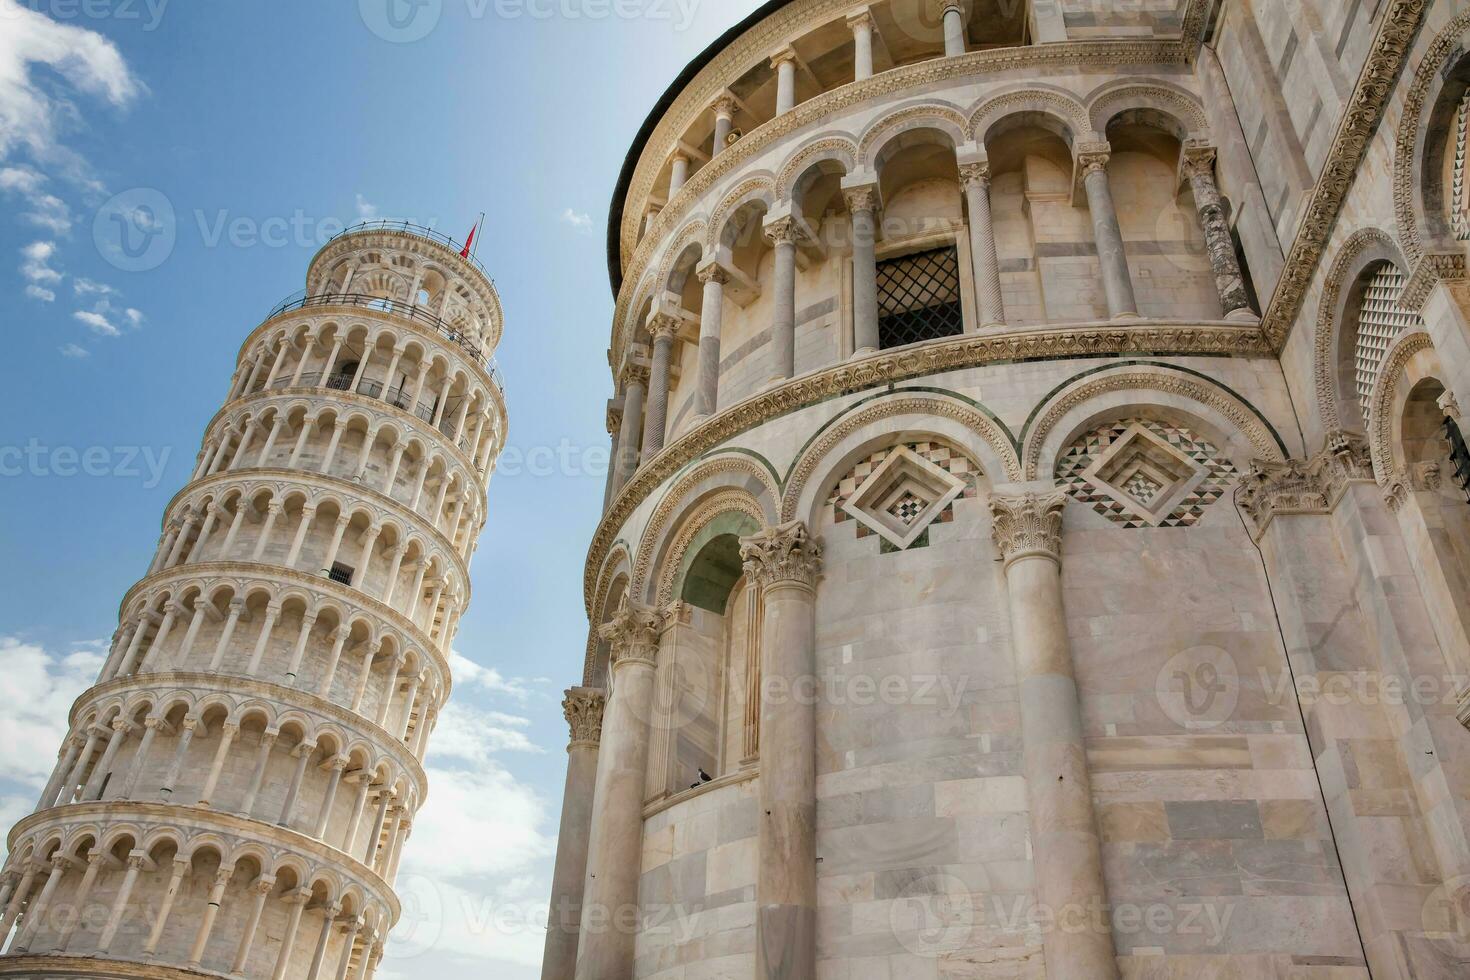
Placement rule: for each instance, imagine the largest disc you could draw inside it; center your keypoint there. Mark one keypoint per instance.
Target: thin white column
(706, 394)
(293, 925)
(136, 861)
(329, 918)
(247, 438)
(364, 562)
(130, 658)
(237, 609)
(140, 758)
(308, 515)
(165, 907)
(365, 674)
(93, 789)
(862, 204)
(394, 568)
(211, 913)
(262, 889)
(241, 507)
(349, 940)
(211, 518)
(385, 803)
(334, 781)
(303, 757)
(976, 180)
(678, 174)
(306, 349)
(262, 763)
(272, 613)
(308, 623)
(270, 441)
(390, 688)
(583, 708)
(191, 635)
(784, 62)
(70, 749)
(73, 782)
(36, 911)
(228, 731)
(394, 462)
(171, 777)
(79, 902)
(862, 38)
(724, 110)
(954, 29)
(783, 236)
(308, 424)
(408, 698)
(172, 610)
(343, 521)
(17, 900)
(273, 512)
(359, 807)
(336, 440)
(339, 640)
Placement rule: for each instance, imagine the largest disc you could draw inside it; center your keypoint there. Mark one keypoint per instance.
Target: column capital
(976, 172)
(263, 885)
(783, 554)
(1450, 405)
(633, 633)
(784, 55)
(663, 326)
(1274, 488)
(1028, 524)
(1197, 159)
(1093, 157)
(861, 197)
(725, 105)
(782, 231)
(634, 373)
(713, 272)
(583, 708)
(861, 19)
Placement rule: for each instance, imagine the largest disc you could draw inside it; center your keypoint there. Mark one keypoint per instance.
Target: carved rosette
(583, 709)
(633, 632)
(782, 555)
(1029, 525)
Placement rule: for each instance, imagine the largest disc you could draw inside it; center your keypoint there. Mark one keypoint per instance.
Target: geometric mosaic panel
(1380, 320)
(1147, 469)
(901, 509)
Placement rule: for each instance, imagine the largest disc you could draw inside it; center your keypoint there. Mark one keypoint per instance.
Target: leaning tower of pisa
(236, 790)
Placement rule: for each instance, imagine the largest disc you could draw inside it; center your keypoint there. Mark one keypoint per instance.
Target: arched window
(1379, 320)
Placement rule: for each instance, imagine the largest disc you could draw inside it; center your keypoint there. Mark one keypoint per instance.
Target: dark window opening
(1459, 456)
(919, 298)
(1245, 271)
(341, 573)
(342, 379)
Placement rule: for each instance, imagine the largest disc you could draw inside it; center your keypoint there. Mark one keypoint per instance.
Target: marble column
(1064, 836)
(862, 203)
(583, 708)
(954, 29)
(784, 62)
(663, 329)
(1111, 255)
(211, 913)
(1198, 167)
(678, 174)
(261, 889)
(136, 861)
(976, 180)
(166, 907)
(785, 562)
(707, 395)
(635, 385)
(293, 925)
(861, 24)
(610, 912)
(783, 236)
(724, 110)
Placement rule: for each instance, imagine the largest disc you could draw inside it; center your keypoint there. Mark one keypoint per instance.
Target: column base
(1243, 315)
(863, 352)
(1127, 316)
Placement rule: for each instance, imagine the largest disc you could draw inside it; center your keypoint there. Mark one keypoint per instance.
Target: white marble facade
(1092, 602)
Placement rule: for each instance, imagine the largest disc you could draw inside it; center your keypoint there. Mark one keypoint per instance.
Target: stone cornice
(348, 489)
(1073, 55)
(58, 967)
(278, 693)
(167, 814)
(325, 397)
(1387, 55)
(258, 571)
(888, 367)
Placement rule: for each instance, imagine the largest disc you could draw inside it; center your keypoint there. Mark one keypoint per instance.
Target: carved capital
(1450, 406)
(1273, 488)
(783, 231)
(633, 633)
(583, 709)
(662, 326)
(861, 20)
(861, 198)
(635, 373)
(714, 272)
(781, 555)
(724, 105)
(1029, 524)
(1093, 157)
(1198, 160)
(975, 173)
(1397, 487)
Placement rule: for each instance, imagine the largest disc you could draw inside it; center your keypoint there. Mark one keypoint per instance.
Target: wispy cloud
(75, 351)
(41, 293)
(99, 323)
(579, 221)
(366, 210)
(42, 208)
(36, 267)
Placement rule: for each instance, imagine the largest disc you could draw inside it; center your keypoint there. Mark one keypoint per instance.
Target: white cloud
(366, 210)
(468, 673)
(45, 209)
(29, 115)
(36, 265)
(134, 317)
(75, 351)
(469, 734)
(91, 287)
(581, 221)
(37, 688)
(40, 293)
(98, 323)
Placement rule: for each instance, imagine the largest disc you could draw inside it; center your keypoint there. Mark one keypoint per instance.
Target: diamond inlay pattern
(952, 461)
(1075, 460)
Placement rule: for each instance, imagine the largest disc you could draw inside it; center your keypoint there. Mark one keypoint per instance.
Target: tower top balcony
(411, 266)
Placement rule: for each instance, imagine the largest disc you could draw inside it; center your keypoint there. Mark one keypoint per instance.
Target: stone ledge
(90, 968)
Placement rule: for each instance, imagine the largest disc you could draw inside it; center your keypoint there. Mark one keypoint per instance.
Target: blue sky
(261, 126)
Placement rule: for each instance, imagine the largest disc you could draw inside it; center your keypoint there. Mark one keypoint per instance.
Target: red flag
(469, 241)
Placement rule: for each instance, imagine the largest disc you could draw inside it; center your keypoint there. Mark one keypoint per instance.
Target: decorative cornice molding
(1028, 525)
(1276, 488)
(1430, 270)
(889, 367)
(1397, 27)
(782, 555)
(583, 708)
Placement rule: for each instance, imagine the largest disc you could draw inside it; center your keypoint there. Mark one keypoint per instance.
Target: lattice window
(1380, 320)
(1459, 455)
(1459, 203)
(919, 298)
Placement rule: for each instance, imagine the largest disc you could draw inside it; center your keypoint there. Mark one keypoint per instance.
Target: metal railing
(411, 311)
(420, 231)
